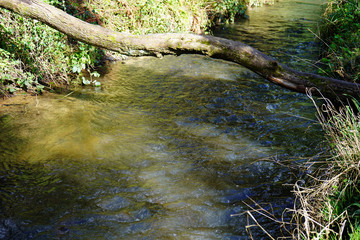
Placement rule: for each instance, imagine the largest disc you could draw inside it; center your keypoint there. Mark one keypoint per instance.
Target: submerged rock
(114, 203)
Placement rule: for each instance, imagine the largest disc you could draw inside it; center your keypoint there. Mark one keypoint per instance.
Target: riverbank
(328, 206)
(341, 38)
(45, 58)
(328, 203)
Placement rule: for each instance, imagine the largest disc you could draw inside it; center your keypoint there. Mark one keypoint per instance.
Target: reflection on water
(285, 31)
(167, 149)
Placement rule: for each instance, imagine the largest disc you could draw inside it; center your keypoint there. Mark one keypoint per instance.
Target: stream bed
(166, 148)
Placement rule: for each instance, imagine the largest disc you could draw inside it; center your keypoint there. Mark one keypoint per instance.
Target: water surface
(166, 148)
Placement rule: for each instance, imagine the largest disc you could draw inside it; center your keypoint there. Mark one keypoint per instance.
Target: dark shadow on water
(165, 149)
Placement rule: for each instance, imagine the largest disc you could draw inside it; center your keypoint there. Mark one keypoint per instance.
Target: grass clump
(330, 208)
(340, 34)
(151, 16)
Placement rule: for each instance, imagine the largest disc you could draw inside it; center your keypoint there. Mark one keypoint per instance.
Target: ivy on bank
(32, 53)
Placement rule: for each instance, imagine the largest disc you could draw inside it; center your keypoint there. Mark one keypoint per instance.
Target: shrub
(225, 10)
(340, 34)
(40, 53)
(12, 75)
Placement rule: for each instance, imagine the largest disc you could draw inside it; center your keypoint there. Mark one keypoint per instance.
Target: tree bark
(174, 43)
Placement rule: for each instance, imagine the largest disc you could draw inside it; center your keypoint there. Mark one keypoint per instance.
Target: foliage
(151, 16)
(259, 3)
(226, 10)
(33, 53)
(159, 16)
(341, 36)
(11, 74)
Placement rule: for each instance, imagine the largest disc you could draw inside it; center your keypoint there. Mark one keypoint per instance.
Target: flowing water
(166, 148)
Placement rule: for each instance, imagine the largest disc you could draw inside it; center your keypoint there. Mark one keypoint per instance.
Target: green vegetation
(151, 16)
(341, 36)
(259, 3)
(330, 207)
(32, 55)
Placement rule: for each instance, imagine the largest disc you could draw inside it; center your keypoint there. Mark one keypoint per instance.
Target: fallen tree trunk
(172, 43)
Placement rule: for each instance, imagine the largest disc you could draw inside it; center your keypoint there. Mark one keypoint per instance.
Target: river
(166, 148)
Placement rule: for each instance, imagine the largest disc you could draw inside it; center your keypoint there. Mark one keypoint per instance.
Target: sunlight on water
(166, 149)
(159, 153)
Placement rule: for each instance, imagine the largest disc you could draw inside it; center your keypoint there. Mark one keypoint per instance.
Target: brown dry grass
(326, 202)
(322, 210)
